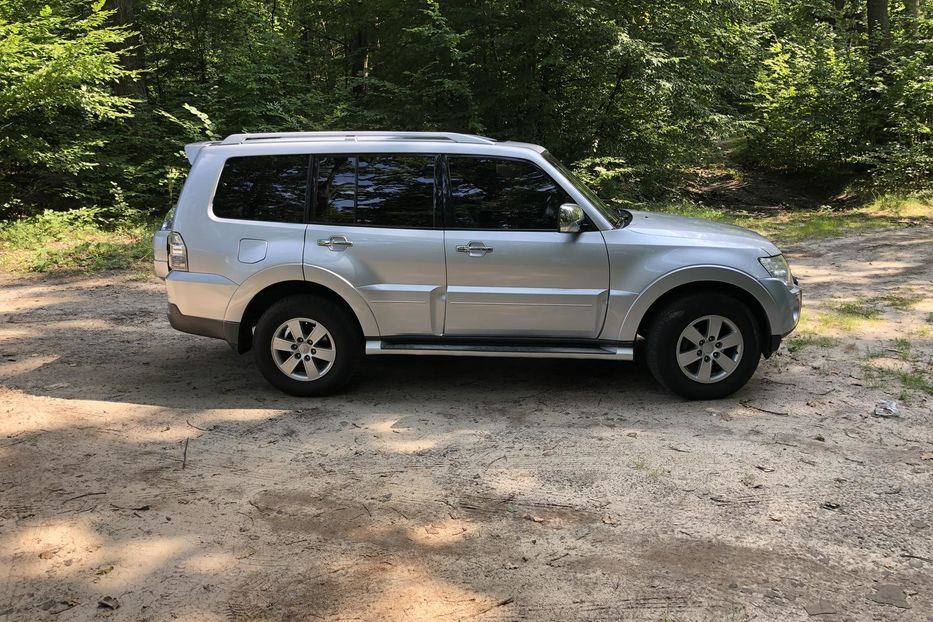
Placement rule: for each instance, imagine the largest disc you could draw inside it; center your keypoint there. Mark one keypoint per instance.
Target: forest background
(798, 118)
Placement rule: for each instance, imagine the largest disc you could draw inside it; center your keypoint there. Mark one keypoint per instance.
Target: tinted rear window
(375, 190)
(269, 188)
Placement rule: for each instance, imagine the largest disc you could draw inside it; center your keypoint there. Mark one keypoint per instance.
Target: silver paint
(595, 284)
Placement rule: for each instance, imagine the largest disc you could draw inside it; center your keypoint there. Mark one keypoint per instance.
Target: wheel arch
(277, 291)
(682, 283)
(257, 293)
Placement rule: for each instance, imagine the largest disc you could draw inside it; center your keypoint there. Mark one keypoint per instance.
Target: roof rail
(236, 139)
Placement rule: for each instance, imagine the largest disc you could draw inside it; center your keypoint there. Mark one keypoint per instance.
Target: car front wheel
(306, 345)
(703, 346)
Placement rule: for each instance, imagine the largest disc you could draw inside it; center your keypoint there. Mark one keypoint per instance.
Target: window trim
(442, 205)
(435, 212)
(448, 208)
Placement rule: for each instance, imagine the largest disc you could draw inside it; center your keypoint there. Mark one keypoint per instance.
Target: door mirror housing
(571, 218)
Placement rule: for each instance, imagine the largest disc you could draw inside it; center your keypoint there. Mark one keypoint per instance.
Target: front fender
(297, 272)
(690, 275)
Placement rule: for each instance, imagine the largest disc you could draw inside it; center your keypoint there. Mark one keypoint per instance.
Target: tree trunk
(879, 34)
(132, 50)
(913, 14)
(359, 60)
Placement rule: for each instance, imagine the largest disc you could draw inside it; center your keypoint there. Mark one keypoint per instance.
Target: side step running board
(612, 352)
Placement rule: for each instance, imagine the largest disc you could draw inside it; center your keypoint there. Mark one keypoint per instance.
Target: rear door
(374, 222)
(510, 271)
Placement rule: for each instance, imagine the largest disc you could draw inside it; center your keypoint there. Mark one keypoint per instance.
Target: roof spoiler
(193, 149)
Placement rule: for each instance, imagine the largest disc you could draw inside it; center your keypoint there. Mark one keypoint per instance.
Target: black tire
(664, 342)
(344, 338)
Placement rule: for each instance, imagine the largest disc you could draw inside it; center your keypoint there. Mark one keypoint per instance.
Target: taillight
(177, 253)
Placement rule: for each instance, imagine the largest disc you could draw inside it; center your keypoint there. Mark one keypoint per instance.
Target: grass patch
(79, 241)
(846, 319)
(788, 226)
(650, 471)
(900, 348)
(849, 315)
(912, 374)
(807, 340)
(866, 310)
(913, 379)
(900, 301)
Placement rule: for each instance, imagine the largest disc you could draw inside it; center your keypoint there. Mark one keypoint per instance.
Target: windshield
(617, 217)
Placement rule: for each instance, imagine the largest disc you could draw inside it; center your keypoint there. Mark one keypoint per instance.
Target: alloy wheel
(709, 349)
(303, 349)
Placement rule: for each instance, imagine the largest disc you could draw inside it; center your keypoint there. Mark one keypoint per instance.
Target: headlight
(778, 268)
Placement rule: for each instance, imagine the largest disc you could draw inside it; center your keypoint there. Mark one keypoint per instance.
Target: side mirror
(571, 218)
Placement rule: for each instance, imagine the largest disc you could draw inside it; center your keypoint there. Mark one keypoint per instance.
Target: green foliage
(80, 240)
(824, 104)
(57, 66)
(95, 104)
(903, 155)
(806, 99)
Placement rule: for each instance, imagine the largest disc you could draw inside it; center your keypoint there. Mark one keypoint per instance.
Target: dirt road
(160, 470)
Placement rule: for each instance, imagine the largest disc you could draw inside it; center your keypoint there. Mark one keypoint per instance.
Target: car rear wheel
(703, 346)
(306, 345)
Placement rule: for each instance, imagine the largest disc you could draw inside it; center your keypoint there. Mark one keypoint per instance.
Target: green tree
(57, 71)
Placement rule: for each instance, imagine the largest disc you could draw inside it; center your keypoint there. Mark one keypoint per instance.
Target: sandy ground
(457, 489)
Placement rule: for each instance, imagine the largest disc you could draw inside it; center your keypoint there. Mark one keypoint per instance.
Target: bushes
(807, 106)
(96, 103)
(57, 70)
(823, 106)
(80, 240)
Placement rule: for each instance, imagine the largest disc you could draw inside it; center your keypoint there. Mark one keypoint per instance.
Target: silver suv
(314, 248)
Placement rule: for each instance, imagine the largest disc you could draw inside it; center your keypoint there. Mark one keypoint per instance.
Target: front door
(372, 223)
(510, 271)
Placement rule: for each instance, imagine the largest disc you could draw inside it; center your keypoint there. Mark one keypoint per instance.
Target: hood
(704, 232)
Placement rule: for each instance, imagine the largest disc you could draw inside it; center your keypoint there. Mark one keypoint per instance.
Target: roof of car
(367, 137)
(360, 136)
(371, 136)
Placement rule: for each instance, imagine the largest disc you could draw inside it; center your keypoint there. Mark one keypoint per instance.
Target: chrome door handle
(336, 243)
(474, 249)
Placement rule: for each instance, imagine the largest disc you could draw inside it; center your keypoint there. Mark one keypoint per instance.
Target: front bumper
(784, 314)
(784, 317)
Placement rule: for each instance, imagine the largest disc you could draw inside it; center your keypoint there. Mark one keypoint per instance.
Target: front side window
(268, 188)
(496, 193)
(375, 190)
